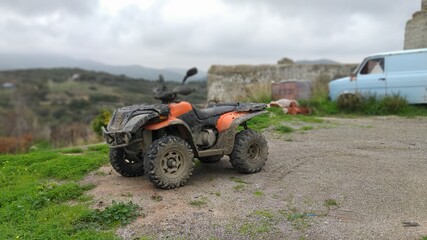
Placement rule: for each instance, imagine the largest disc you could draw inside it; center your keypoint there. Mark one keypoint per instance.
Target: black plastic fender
(135, 123)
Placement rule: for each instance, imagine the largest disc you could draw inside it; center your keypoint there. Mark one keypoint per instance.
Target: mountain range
(9, 61)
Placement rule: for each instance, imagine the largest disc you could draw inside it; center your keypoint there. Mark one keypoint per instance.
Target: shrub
(372, 105)
(393, 104)
(101, 120)
(350, 102)
(15, 144)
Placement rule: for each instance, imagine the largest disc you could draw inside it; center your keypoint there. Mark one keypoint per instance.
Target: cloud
(41, 7)
(193, 32)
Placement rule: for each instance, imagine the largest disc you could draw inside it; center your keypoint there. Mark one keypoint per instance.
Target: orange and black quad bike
(162, 140)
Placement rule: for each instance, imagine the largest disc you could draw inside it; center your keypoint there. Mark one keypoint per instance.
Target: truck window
(373, 66)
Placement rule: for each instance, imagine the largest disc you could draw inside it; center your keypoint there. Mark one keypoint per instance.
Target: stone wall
(232, 83)
(416, 29)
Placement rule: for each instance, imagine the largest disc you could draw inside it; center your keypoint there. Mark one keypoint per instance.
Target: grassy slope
(36, 190)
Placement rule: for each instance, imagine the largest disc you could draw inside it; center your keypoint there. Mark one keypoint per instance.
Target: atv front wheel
(124, 165)
(169, 162)
(210, 159)
(250, 152)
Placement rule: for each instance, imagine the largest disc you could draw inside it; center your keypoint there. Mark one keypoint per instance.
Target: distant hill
(318, 61)
(30, 61)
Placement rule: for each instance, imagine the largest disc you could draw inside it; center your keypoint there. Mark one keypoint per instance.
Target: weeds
(156, 197)
(114, 215)
(258, 193)
(331, 203)
(257, 92)
(239, 187)
(199, 202)
(241, 184)
(264, 222)
(238, 180)
(297, 219)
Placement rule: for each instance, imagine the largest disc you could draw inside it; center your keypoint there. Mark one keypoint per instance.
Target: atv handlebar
(167, 96)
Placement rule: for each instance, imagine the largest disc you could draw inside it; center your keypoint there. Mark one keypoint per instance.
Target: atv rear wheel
(124, 165)
(210, 159)
(169, 162)
(250, 152)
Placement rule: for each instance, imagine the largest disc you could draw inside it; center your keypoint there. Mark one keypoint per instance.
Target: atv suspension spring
(161, 133)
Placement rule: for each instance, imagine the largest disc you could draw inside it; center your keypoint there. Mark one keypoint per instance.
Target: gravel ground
(358, 178)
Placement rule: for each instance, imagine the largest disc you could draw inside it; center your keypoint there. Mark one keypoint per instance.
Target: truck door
(371, 79)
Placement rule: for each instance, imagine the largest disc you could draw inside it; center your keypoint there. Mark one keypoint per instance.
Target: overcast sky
(184, 33)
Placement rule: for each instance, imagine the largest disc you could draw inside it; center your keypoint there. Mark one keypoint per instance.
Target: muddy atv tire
(250, 152)
(169, 162)
(124, 165)
(210, 159)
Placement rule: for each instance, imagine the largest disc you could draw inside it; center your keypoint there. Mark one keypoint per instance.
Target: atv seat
(212, 111)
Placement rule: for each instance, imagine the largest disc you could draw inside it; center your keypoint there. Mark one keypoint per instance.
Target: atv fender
(234, 119)
(135, 123)
(184, 131)
(227, 126)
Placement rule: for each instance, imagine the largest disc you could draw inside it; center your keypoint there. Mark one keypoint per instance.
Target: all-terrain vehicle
(162, 140)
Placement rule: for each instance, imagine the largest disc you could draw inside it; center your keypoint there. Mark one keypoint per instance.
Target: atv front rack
(116, 139)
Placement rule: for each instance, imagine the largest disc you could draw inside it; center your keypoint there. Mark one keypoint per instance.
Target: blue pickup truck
(403, 73)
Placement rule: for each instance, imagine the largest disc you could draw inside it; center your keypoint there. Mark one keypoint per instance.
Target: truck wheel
(210, 159)
(169, 162)
(127, 167)
(250, 152)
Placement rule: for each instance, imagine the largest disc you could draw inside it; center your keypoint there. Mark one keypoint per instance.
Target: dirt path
(344, 179)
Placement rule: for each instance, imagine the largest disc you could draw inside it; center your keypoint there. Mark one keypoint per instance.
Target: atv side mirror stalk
(190, 72)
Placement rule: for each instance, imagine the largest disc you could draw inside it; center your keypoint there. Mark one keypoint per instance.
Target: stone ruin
(234, 83)
(416, 29)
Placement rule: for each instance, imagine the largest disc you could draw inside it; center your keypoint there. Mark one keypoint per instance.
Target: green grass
(238, 180)
(283, 129)
(275, 116)
(241, 184)
(36, 190)
(74, 150)
(307, 128)
(258, 193)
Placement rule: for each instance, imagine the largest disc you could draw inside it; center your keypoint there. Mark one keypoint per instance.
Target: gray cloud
(41, 7)
(240, 31)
